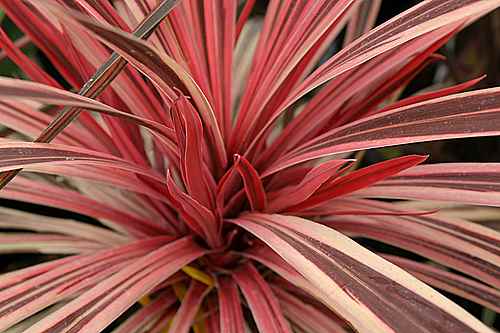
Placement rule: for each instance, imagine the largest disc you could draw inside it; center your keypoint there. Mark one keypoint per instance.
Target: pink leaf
(469, 183)
(261, 300)
(184, 318)
(451, 282)
(28, 291)
(231, 315)
(461, 115)
(369, 292)
(97, 307)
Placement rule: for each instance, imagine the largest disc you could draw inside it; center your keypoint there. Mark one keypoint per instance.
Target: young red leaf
(359, 179)
(313, 180)
(252, 183)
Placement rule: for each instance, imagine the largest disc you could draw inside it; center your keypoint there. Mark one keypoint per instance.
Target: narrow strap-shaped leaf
(306, 316)
(98, 174)
(189, 131)
(264, 306)
(230, 312)
(25, 292)
(14, 277)
(199, 218)
(351, 206)
(314, 179)
(99, 306)
(159, 67)
(147, 316)
(22, 154)
(468, 183)
(443, 118)
(252, 183)
(103, 77)
(28, 190)
(483, 236)
(185, 316)
(13, 89)
(451, 282)
(458, 88)
(45, 243)
(27, 119)
(432, 238)
(15, 219)
(359, 179)
(369, 292)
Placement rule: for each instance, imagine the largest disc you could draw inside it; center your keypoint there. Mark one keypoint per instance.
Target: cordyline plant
(217, 163)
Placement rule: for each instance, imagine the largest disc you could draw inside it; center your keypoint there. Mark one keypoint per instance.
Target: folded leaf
(252, 183)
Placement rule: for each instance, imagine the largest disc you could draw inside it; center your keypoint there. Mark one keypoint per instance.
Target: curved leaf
(369, 292)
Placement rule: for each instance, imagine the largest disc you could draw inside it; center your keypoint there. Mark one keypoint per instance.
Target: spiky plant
(217, 165)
